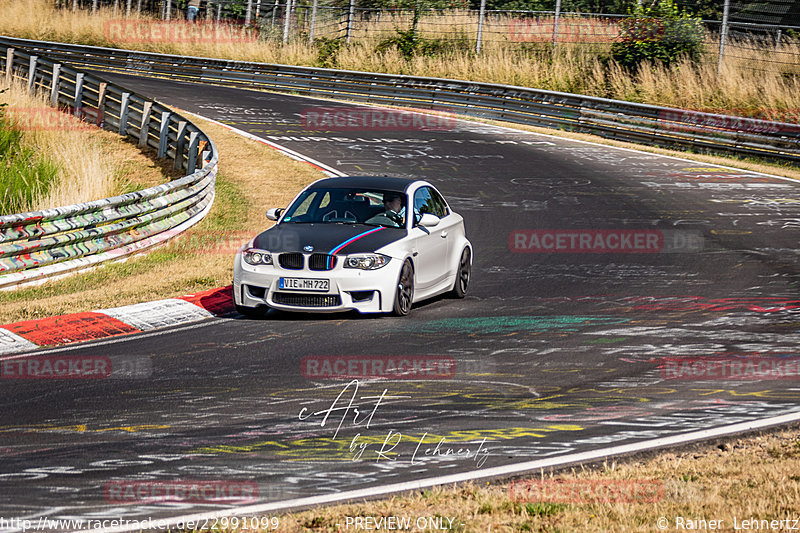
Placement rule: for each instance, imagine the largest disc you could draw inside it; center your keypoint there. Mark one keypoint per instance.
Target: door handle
(444, 235)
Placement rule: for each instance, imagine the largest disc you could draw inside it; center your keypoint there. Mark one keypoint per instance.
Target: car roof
(380, 182)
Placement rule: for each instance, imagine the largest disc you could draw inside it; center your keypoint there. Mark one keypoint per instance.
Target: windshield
(374, 207)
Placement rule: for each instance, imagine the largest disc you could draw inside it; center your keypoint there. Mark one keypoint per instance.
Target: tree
(659, 32)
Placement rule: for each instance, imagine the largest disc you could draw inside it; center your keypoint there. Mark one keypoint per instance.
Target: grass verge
(732, 482)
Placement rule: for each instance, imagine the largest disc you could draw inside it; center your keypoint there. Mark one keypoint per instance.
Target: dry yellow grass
(252, 178)
(747, 478)
(81, 151)
(754, 79)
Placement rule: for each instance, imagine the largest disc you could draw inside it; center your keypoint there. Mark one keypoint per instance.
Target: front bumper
(366, 291)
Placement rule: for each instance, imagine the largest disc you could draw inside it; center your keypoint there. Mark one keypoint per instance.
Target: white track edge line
(287, 151)
(507, 470)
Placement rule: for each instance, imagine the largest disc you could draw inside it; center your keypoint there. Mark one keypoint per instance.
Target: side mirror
(429, 220)
(274, 213)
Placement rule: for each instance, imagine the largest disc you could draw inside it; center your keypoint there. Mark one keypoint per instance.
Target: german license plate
(304, 284)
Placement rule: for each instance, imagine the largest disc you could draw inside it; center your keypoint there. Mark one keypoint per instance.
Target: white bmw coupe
(373, 244)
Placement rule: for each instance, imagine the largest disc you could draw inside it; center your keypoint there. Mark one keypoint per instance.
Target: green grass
(25, 175)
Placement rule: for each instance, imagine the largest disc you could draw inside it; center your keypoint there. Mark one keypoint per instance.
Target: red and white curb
(138, 318)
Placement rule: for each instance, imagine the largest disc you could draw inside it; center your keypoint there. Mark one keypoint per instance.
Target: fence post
(123, 113)
(167, 9)
(94, 7)
(128, 6)
(180, 145)
(481, 17)
(287, 16)
(55, 85)
(778, 38)
(139, 7)
(248, 15)
(163, 135)
(723, 34)
(351, 14)
(313, 21)
(78, 101)
(144, 131)
(33, 62)
(555, 22)
(9, 64)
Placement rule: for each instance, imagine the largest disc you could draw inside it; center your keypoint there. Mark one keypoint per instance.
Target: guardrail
(55, 242)
(614, 119)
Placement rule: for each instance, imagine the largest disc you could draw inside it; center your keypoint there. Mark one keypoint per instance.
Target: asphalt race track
(558, 348)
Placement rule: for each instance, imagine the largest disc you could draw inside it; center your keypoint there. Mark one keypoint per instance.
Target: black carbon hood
(327, 238)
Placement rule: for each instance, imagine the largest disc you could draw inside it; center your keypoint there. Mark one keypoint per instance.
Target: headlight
(366, 261)
(252, 256)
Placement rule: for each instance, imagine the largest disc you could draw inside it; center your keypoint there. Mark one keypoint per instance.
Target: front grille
(321, 261)
(291, 261)
(307, 300)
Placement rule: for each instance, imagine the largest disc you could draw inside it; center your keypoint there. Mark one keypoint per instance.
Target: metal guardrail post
(123, 113)
(163, 135)
(78, 100)
(9, 64)
(32, 72)
(194, 141)
(101, 102)
(144, 130)
(55, 85)
(180, 144)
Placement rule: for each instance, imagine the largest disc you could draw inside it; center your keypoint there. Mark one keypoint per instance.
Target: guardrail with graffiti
(55, 242)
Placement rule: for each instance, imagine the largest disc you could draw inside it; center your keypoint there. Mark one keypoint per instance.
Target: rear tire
(463, 274)
(404, 294)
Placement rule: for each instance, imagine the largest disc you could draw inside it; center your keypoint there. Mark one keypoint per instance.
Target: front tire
(463, 274)
(404, 294)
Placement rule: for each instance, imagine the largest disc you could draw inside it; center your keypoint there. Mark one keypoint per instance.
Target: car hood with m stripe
(328, 238)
